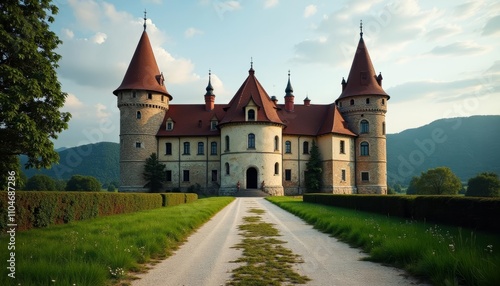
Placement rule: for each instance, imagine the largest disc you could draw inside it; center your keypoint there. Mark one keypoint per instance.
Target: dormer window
(169, 125)
(213, 125)
(251, 115)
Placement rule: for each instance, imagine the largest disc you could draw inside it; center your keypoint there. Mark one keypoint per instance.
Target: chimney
(274, 99)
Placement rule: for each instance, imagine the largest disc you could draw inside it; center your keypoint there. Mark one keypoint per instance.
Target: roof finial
(251, 62)
(361, 28)
(145, 19)
(288, 74)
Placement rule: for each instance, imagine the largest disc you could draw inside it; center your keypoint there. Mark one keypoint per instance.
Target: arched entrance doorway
(251, 178)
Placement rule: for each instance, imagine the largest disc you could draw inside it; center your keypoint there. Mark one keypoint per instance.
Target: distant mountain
(467, 145)
(100, 160)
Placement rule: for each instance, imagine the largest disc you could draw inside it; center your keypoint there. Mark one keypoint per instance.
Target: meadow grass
(103, 250)
(441, 254)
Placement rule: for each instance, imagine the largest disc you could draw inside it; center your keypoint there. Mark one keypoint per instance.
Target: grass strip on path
(267, 262)
(103, 250)
(442, 254)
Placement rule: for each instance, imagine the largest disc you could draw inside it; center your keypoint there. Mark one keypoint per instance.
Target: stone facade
(253, 142)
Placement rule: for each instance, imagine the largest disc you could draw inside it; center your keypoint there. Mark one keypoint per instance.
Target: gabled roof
(251, 89)
(143, 72)
(190, 120)
(362, 65)
(313, 120)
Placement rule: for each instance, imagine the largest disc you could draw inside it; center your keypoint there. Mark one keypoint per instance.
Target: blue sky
(439, 59)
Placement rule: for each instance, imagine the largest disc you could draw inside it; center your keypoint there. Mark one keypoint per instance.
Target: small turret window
(367, 101)
(227, 143)
(251, 115)
(365, 149)
(138, 115)
(352, 101)
(227, 169)
(276, 143)
(276, 168)
(383, 101)
(150, 95)
(134, 94)
(383, 128)
(365, 127)
(365, 176)
(251, 141)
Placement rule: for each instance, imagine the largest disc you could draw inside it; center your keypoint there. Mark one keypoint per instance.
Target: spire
(289, 88)
(143, 72)
(209, 89)
(145, 19)
(362, 79)
(361, 28)
(251, 70)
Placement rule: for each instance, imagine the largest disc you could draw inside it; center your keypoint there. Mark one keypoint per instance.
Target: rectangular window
(288, 175)
(213, 148)
(214, 175)
(288, 147)
(213, 125)
(168, 176)
(343, 175)
(342, 147)
(305, 146)
(150, 96)
(201, 148)
(185, 175)
(170, 125)
(168, 148)
(186, 148)
(365, 176)
(138, 144)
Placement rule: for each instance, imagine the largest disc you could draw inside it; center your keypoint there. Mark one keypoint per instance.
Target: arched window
(352, 101)
(383, 101)
(367, 101)
(138, 115)
(227, 143)
(251, 115)
(364, 126)
(365, 148)
(305, 147)
(227, 168)
(276, 143)
(288, 147)
(213, 148)
(251, 141)
(201, 148)
(276, 168)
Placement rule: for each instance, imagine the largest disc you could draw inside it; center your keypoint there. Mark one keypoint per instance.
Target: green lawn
(98, 251)
(441, 254)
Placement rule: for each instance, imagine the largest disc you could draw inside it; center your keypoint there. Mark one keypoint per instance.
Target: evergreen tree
(314, 172)
(30, 94)
(154, 173)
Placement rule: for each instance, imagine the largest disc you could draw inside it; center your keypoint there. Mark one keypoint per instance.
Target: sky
(439, 59)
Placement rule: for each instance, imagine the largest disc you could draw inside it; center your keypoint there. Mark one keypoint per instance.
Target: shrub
(173, 199)
(40, 183)
(83, 183)
(484, 185)
(438, 181)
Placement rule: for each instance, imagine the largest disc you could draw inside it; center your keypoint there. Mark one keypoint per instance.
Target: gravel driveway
(205, 258)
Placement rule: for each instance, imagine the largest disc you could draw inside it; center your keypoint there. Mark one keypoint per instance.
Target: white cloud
(310, 10)
(443, 32)
(87, 12)
(191, 32)
(68, 33)
(101, 111)
(72, 102)
(270, 3)
(99, 38)
(458, 48)
(492, 27)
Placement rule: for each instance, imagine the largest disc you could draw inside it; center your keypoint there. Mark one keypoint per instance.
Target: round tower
(363, 104)
(143, 100)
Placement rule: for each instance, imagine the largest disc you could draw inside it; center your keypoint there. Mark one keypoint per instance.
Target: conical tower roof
(143, 72)
(362, 79)
(251, 89)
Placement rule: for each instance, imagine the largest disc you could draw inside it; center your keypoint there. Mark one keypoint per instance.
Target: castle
(252, 141)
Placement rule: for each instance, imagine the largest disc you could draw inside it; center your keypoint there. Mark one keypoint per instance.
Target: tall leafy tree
(41, 183)
(154, 173)
(484, 185)
(438, 181)
(30, 94)
(314, 172)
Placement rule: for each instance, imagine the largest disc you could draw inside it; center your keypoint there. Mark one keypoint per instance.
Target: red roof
(362, 79)
(143, 72)
(191, 120)
(251, 89)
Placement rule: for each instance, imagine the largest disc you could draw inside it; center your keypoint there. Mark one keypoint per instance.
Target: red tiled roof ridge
(143, 72)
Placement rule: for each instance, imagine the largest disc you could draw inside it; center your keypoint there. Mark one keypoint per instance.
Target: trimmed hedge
(470, 212)
(40, 209)
(173, 199)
